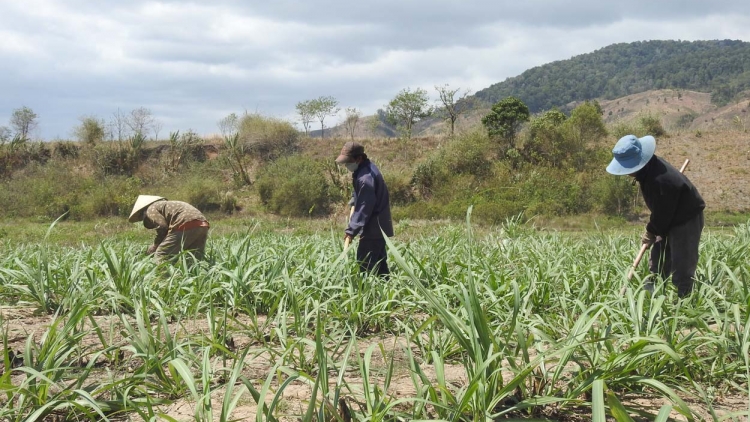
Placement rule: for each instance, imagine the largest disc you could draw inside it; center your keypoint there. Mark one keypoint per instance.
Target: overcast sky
(192, 63)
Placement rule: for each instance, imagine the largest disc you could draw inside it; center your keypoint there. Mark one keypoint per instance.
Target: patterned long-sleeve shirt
(165, 216)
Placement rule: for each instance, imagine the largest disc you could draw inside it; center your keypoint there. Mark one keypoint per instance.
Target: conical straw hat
(140, 204)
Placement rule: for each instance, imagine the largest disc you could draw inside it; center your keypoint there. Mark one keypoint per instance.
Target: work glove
(648, 239)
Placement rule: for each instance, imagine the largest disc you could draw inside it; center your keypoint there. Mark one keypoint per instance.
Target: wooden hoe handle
(348, 240)
(637, 260)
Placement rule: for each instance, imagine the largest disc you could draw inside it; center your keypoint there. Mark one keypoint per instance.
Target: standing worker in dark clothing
(674, 228)
(372, 210)
(179, 226)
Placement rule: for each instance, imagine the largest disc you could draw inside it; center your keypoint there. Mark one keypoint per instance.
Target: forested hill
(719, 67)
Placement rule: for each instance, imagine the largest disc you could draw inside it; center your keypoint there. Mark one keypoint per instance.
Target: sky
(193, 63)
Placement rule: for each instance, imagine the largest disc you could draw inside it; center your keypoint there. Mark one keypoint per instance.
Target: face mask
(352, 167)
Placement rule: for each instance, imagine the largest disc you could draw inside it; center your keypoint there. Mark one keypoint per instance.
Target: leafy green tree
(23, 121)
(546, 143)
(306, 114)
(505, 120)
(91, 131)
(407, 108)
(453, 104)
(587, 124)
(584, 131)
(323, 107)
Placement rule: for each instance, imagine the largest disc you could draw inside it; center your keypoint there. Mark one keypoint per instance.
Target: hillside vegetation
(551, 163)
(721, 68)
(555, 167)
(714, 75)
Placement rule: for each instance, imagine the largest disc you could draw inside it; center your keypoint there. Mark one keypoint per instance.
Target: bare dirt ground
(719, 166)
(715, 139)
(20, 323)
(680, 111)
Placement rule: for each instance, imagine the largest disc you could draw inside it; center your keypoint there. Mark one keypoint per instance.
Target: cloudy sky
(192, 63)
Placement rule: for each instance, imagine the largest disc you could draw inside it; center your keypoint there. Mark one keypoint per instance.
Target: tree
(91, 130)
(584, 129)
(587, 123)
(505, 120)
(323, 107)
(453, 106)
(306, 114)
(140, 121)
(352, 119)
(5, 134)
(229, 125)
(157, 126)
(407, 108)
(546, 143)
(23, 121)
(118, 126)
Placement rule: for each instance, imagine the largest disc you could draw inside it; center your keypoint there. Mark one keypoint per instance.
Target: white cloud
(193, 63)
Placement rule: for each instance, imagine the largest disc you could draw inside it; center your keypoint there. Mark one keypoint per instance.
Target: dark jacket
(670, 196)
(372, 210)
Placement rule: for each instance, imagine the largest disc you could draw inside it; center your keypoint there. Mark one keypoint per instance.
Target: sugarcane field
(301, 212)
(508, 322)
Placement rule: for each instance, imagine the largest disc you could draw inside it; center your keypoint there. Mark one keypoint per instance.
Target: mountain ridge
(719, 67)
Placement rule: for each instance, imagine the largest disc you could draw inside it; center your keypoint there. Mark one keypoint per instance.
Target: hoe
(644, 247)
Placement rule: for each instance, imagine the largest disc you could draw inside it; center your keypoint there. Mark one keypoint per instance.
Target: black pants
(676, 254)
(372, 256)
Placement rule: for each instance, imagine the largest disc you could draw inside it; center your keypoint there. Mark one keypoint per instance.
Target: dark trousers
(676, 254)
(372, 256)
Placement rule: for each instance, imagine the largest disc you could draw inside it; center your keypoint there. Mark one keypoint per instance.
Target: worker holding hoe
(676, 221)
(179, 226)
(371, 209)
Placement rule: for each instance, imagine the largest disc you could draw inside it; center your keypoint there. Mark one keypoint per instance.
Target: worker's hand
(347, 239)
(151, 249)
(648, 239)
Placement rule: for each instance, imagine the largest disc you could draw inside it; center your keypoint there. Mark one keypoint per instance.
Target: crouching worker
(676, 221)
(372, 210)
(179, 226)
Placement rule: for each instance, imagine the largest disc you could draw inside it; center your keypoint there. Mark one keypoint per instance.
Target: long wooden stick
(637, 260)
(682, 169)
(348, 240)
(644, 247)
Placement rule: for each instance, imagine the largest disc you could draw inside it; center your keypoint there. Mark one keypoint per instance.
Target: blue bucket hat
(631, 154)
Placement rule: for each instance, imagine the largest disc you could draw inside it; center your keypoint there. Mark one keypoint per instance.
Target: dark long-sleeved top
(669, 195)
(165, 216)
(372, 210)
